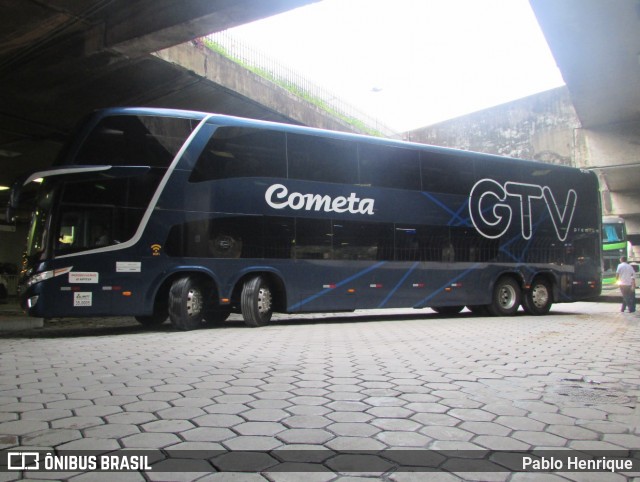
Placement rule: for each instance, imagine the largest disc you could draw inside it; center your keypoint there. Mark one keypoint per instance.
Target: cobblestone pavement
(369, 381)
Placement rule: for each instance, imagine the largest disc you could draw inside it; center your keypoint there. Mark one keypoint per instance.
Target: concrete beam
(613, 153)
(608, 146)
(625, 204)
(152, 25)
(633, 225)
(595, 44)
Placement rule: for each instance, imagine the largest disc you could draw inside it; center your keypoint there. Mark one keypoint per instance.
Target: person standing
(625, 276)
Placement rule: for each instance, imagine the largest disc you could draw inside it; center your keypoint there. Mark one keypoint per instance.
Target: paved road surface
(370, 381)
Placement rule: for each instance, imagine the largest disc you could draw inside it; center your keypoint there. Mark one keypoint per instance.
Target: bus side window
(469, 246)
(321, 159)
(241, 152)
(407, 245)
(279, 236)
(313, 239)
(361, 241)
(417, 243)
(393, 167)
(446, 173)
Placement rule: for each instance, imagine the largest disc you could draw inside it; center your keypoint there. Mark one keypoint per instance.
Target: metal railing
(267, 67)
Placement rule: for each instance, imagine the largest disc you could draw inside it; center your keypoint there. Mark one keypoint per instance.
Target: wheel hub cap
(264, 300)
(507, 297)
(194, 302)
(540, 296)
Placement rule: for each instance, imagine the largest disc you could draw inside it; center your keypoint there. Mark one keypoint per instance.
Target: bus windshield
(613, 233)
(97, 213)
(36, 240)
(101, 210)
(132, 140)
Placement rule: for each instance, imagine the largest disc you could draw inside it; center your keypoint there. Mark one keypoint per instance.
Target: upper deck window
(393, 167)
(129, 140)
(314, 158)
(242, 152)
(447, 173)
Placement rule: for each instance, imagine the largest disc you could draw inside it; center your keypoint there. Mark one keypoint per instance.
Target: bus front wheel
(506, 297)
(187, 298)
(538, 299)
(256, 302)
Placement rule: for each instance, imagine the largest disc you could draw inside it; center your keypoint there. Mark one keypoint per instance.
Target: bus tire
(538, 300)
(447, 310)
(187, 298)
(506, 297)
(256, 302)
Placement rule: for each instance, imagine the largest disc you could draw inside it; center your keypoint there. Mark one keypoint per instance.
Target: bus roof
(229, 120)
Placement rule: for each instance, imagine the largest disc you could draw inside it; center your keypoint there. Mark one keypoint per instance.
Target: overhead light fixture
(6, 153)
(4, 188)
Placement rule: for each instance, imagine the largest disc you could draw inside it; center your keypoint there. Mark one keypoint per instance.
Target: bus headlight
(45, 275)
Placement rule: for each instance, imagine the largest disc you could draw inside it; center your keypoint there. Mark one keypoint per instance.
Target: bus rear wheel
(256, 302)
(187, 299)
(506, 297)
(538, 300)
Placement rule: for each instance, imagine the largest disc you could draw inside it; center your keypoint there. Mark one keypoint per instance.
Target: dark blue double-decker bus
(160, 214)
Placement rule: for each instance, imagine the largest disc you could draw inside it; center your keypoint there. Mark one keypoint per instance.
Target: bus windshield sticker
(83, 277)
(492, 221)
(317, 202)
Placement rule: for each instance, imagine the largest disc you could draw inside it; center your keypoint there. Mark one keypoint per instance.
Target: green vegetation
(296, 90)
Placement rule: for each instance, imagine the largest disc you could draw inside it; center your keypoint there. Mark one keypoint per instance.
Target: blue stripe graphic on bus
(461, 221)
(440, 204)
(521, 258)
(337, 285)
(398, 285)
(422, 303)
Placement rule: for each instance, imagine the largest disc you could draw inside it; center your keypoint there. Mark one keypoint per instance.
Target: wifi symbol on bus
(155, 248)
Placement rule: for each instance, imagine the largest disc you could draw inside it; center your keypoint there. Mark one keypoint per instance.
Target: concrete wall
(540, 127)
(229, 75)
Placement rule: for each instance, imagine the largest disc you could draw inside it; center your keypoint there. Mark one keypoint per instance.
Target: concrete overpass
(60, 59)
(596, 44)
